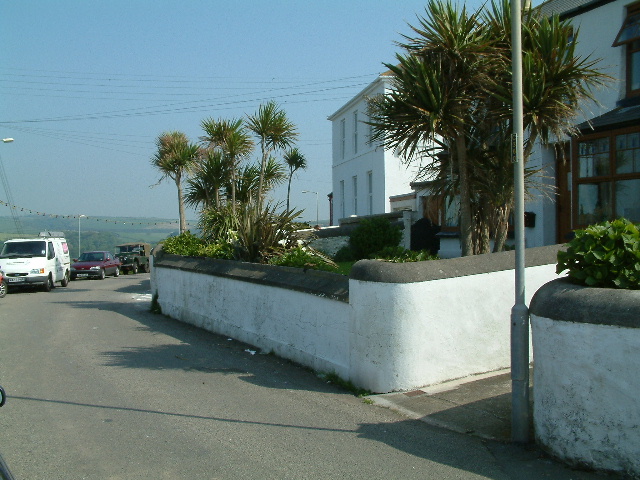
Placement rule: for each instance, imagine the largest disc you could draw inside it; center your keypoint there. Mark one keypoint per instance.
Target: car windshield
(33, 248)
(91, 257)
(124, 249)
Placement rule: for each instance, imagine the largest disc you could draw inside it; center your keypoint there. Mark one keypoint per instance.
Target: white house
(365, 175)
(600, 181)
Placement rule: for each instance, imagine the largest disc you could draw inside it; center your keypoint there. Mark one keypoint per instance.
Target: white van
(39, 261)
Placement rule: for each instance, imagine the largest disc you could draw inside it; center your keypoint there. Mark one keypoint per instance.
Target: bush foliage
(373, 235)
(604, 255)
(301, 257)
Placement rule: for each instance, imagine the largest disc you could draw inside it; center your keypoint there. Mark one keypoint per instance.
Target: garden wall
(587, 352)
(388, 327)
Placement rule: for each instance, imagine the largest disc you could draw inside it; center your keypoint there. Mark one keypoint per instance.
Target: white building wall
(355, 156)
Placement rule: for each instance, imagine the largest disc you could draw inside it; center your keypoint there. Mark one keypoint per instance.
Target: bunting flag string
(86, 217)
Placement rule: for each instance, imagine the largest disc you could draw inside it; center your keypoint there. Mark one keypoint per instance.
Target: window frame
(612, 177)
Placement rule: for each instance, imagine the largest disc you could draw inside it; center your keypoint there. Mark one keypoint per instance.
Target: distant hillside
(96, 233)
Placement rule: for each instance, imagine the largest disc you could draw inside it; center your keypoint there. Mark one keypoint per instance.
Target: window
(608, 180)
(343, 139)
(355, 132)
(355, 195)
(370, 191)
(629, 36)
(342, 212)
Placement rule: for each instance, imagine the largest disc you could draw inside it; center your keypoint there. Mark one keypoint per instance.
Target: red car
(95, 265)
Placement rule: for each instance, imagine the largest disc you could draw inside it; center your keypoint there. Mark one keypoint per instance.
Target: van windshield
(33, 248)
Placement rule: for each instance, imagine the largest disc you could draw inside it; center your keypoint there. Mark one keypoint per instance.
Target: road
(101, 388)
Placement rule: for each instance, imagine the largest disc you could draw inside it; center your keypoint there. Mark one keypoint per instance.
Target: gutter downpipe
(519, 313)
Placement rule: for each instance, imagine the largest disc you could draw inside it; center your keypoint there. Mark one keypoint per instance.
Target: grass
(344, 268)
(345, 384)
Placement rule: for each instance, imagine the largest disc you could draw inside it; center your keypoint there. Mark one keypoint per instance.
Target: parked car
(95, 265)
(3, 285)
(134, 256)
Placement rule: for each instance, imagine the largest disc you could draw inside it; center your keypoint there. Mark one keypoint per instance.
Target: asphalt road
(101, 388)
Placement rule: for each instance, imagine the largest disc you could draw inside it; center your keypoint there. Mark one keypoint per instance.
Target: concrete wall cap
(324, 284)
(565, 301)
(388, 272)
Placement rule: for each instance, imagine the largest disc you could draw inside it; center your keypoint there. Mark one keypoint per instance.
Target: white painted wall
(416, 334)
(305, 328)
(388, 337)
(389, 176)
(586, 393)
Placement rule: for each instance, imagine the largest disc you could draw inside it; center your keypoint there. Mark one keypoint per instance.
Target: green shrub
(372, 235)
(264, 233)
(217, 250)
(184, 244)
(345, 254)
(400, 255)
(604, 255)
(300, 257)
(218, 225)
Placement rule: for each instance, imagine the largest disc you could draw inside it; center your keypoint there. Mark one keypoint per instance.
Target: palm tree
(274, 131)
(295, 161)
(452, 93)
(209, 177)
(232, 139)
(248, 180)
(435, 88)
(175, 157)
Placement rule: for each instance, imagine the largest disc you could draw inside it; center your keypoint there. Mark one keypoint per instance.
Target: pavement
(479, 405)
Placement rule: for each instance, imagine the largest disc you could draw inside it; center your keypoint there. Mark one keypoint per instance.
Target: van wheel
(48, 285)
(65, 280)
(3, 288)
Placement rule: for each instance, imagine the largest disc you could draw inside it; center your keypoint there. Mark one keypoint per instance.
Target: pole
(79, 217)
(519, 312)
(317, 218)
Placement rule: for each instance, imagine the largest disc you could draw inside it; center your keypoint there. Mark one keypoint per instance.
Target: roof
(570, 8)
(616, 118)
(383, 77)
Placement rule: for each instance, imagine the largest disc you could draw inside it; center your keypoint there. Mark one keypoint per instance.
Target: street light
(520, 311)
(7, 191)
(308, 191)
(79, 217)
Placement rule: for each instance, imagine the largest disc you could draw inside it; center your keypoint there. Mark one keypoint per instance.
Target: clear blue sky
(86, 86)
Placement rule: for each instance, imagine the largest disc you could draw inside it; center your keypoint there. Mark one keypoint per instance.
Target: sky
(87, 86)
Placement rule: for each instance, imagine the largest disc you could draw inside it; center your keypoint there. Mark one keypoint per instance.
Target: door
(564, 230)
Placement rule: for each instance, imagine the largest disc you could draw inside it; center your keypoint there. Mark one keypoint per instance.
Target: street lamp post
(519, 312)
(308, 191)
(79, 217)
(7, 191)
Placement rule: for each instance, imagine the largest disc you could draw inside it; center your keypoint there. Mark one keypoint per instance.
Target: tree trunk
(181, 212)
(289, 191)
(466, 226)
(501, 227)
(263, 167)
